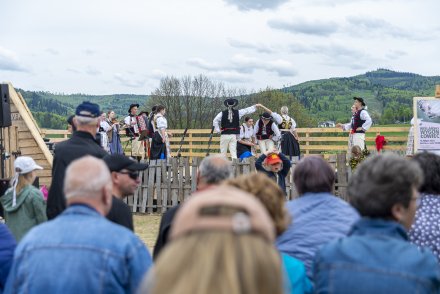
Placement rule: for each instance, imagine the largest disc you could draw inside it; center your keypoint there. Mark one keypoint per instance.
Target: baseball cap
(88, 109)
(203, 213)
(25, 164)
(118, 162)
(273, 159)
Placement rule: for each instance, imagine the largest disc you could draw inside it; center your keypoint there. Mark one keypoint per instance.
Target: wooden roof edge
(30, 122)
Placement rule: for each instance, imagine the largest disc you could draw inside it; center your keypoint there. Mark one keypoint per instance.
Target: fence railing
(312, 140)
(165, 184)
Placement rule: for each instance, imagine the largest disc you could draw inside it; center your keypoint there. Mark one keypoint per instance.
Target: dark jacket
(376, 257)
(120, 214)
(281, 174)
(7, 247)
(81, 144)
(164, 230)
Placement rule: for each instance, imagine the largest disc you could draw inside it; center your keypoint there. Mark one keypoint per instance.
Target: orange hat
(273, 159)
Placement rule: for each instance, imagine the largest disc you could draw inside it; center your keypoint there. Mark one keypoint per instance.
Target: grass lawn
(146, 227)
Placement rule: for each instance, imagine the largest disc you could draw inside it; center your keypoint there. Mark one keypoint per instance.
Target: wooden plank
(174, 182)
(194, 166)
(341, 163)
(181, 179)
(166, 187)
(187, 180)
(150, 186)
(14, 147)
(28, 143)
(158, 186)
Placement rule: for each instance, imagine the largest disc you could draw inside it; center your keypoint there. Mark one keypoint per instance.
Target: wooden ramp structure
(24, 138)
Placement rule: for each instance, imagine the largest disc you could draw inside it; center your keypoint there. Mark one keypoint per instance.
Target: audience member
(376, 256)
(319, 217)
(275, 165)
(212, 171)
(125, 178)
(221, 242)
(80, 251)
(23, 204)
(7, 247)
(272, 198)
(80, 144)
(424, 231)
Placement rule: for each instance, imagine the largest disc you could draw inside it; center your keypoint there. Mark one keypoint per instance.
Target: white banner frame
(426, 115)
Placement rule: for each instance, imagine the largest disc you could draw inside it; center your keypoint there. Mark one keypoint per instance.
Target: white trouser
(266, 145)
(137, 147)
(231, 141)
(359, 139)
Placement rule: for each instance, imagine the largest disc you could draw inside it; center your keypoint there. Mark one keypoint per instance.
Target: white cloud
(260, 48)
(247, 5)
(307, 27)
(52, 51)
(129, 82)
(9, 61)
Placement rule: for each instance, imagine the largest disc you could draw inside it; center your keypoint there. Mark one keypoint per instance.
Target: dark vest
(268, 127)
(227, 127)
(357, 122)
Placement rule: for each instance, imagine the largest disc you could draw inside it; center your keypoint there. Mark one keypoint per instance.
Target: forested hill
(51, 110)
(388, 95)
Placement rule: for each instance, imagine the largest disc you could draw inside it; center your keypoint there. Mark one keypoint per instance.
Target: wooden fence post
(341, 165)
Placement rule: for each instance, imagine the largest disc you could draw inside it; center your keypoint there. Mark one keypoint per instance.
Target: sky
(113, 46)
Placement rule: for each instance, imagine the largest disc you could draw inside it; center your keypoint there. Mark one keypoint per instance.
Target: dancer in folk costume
(347, 127)
(247, 140)
(114, 137)
(360, 123)
(132, 130)
(267, 131)
(289, 136)
(160, 146)
(227, 123)
(104, 129)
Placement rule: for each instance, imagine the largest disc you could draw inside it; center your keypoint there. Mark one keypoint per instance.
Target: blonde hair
(269, 194)
(284, 110)
(24, 180)
(216, 262)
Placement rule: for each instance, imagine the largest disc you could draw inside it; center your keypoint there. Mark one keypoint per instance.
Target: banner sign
(426, 123)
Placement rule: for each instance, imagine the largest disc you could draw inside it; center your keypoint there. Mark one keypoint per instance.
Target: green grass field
(146, 226)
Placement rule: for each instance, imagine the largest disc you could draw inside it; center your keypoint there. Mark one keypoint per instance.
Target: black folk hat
(118, 162)
(266, 115)
(231, 102)
(131, 106)
(361, 100)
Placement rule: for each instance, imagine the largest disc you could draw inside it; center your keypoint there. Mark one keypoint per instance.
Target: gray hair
(382, 181)
(284, 110)
(85, 177)
(215, 169)
(86, 121)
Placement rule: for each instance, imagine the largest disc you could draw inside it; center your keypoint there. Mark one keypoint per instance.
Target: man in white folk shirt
(267, 131)
(227, 123)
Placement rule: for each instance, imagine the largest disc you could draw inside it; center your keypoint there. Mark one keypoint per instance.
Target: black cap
(118, 162)
(266, 115)
(361, 100)
(131, 106)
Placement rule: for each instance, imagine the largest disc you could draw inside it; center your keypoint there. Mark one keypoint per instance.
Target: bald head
(213, 170)
(88, 181)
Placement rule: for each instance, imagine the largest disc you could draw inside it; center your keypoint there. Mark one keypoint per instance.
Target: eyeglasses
(132, 174)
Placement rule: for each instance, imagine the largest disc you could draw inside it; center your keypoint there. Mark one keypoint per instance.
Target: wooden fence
(323, 141)
(166, 184)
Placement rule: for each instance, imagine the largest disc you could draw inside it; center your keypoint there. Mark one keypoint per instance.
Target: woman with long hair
(23, 204)
(160, 146)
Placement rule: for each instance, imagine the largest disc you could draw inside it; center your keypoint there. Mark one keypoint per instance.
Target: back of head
(214, 169)
(284, 110)
(382, 181)
(313, 175)
(87, 115)
(270, 195)
(430, 164)
(221, 243)
(85, 178)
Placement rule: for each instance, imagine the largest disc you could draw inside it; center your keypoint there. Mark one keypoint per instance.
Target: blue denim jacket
(376, 257)
(78, 252)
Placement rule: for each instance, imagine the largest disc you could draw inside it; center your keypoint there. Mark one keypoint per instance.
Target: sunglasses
(132, 174)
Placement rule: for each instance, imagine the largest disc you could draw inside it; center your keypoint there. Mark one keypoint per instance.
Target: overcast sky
(115, 46)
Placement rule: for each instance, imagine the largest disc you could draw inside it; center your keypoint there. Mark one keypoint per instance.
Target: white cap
(25, 164)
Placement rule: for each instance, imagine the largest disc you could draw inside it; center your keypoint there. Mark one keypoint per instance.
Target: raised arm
(248, 110)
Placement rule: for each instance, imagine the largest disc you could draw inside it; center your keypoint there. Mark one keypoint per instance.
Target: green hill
(388, 95)
(51, 110)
